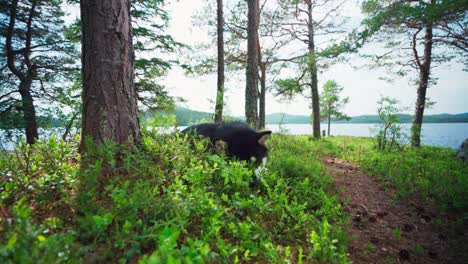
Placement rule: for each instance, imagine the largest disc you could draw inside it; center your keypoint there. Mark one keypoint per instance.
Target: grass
(396, 233)
(169, 202)
(173, 202)
(419, 250)
(371, 246)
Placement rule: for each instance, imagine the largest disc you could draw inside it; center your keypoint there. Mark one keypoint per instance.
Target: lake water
(435, 134)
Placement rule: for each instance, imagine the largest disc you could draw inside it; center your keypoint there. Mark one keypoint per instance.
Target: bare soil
(387, 230)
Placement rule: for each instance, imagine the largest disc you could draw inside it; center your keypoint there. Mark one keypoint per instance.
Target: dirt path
(383, 230)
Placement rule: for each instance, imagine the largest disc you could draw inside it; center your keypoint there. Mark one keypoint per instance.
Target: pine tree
(270, 45)
(37, 59)
(417, 36)
(251, 90)
(109, 97)
(220, 44)
(331, 103)
(305, 21)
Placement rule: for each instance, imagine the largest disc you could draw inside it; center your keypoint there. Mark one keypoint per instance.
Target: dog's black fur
(239, 140)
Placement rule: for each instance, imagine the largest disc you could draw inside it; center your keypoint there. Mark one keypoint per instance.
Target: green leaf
(12, 241)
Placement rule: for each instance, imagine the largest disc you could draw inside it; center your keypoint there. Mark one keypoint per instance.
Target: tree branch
(415, 50)
(8, 94)
(9, 38)
(69, 125)
(27, 49)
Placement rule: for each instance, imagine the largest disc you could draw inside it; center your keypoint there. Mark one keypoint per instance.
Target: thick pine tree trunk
(329, 119)
(313, 73)
(261, 114)
(424, 73)
(29, 111)
(251, 90)
(220, 85)
(109, 97)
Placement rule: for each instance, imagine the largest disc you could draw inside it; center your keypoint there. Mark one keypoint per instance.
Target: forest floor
(384, 229)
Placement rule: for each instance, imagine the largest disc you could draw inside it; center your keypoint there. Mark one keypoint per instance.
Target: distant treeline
(14, 120)
(186, 117)
(404, 118)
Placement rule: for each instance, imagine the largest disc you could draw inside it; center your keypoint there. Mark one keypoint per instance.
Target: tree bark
(26, 79)
(109, 97)
(220, 85)
(262, 94)
(329, 125)
(29, 111)
(251, 90)
(9, 39)
(313, 74)
(424, 73)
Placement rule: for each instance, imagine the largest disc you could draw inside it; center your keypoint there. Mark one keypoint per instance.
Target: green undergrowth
(433, 173)
(169, 201)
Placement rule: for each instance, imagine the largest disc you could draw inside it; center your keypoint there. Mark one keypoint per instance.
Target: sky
(362, 85)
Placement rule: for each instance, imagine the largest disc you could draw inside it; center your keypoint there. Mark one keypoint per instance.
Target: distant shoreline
(187, 116)
(339, 122)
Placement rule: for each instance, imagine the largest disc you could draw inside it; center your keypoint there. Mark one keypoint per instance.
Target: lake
(433, 134)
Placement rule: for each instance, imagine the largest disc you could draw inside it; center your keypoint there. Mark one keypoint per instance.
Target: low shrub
(167, 202)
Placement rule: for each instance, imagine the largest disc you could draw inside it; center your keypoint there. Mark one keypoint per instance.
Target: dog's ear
(221, 146)
(263, 136)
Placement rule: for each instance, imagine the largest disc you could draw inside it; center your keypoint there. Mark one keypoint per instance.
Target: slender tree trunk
(384, 139)
(69, 125)
(261, 114)
(313, 73)
(262, 77)
(29, 111)
(251, 90)
(9, 40)
(424, 73)
(109, 97)
(220, 85)
(26, 79)
(329, 125)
